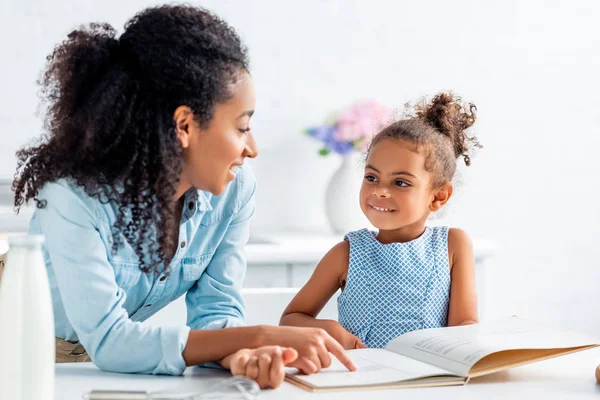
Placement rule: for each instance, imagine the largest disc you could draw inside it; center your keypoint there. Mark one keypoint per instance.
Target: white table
(566, 377)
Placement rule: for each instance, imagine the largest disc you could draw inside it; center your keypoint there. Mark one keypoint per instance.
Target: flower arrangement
(352, 129)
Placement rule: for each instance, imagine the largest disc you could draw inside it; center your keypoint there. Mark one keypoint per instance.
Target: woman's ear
(183, 117)
(441, 196)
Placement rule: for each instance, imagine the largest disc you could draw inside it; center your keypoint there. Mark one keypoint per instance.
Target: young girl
(406, 276)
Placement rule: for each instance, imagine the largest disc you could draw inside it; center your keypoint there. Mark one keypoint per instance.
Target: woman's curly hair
(109, 118)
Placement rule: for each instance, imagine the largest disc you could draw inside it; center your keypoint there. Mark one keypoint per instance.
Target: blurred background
(531, 67)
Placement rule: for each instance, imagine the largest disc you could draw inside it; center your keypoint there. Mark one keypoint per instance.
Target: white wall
(530, 66)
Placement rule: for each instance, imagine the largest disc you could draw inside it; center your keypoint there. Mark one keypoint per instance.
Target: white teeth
(381, 209)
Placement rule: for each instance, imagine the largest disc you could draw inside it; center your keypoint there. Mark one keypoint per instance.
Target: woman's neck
(182, 187)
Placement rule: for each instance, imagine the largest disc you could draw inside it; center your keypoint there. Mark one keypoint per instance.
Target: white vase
(342, 196)
(27, 346)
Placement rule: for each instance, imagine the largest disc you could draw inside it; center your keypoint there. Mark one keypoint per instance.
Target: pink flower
(361, 121)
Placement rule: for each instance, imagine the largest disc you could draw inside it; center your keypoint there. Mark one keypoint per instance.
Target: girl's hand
(265, 364)
(345, 338)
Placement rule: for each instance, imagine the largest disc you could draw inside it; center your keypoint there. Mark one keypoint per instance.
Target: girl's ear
(183, 118)
(441, 196)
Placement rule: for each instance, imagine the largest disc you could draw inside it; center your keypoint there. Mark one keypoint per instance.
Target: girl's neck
(402, 235)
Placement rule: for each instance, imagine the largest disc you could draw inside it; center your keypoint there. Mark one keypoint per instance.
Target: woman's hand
(265, 364)
(339, 333)
(313, 346)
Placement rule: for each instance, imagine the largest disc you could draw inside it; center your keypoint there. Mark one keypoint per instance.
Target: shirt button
(191, 205)
(183, 244)
(148, 305)
(163, 278)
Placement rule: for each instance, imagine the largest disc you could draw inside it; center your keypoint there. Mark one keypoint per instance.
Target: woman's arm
(215, 299)
(463, 294)
(215, 302)
(310, 300)
(93, 303)
(312, 344)
(92, 300)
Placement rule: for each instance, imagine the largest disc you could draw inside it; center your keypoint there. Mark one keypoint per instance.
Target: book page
(458, 348)
(376, 366)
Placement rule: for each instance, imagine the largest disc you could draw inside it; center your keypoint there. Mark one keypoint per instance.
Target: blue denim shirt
(101, 299)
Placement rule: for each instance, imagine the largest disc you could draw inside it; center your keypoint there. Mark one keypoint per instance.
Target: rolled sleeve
(173, 341)
(215, 300)
(92, 300)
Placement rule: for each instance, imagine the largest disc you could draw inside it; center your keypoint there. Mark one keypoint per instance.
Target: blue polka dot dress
(395, 288)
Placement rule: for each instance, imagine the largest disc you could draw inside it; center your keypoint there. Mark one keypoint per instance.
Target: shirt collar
(202, 200)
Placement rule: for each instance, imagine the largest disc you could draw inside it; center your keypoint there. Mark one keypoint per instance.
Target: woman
(143, 196)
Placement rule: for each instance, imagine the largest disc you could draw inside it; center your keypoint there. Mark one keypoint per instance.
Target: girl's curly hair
(109, 117)
(440, 128)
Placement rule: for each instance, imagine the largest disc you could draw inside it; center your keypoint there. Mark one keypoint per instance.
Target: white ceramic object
(342, 196)
(27, 346)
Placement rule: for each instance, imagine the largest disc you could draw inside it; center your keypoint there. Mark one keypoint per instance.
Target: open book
(446, 356)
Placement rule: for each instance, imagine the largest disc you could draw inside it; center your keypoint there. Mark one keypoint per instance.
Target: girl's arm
(310, 300)
(463, 294)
